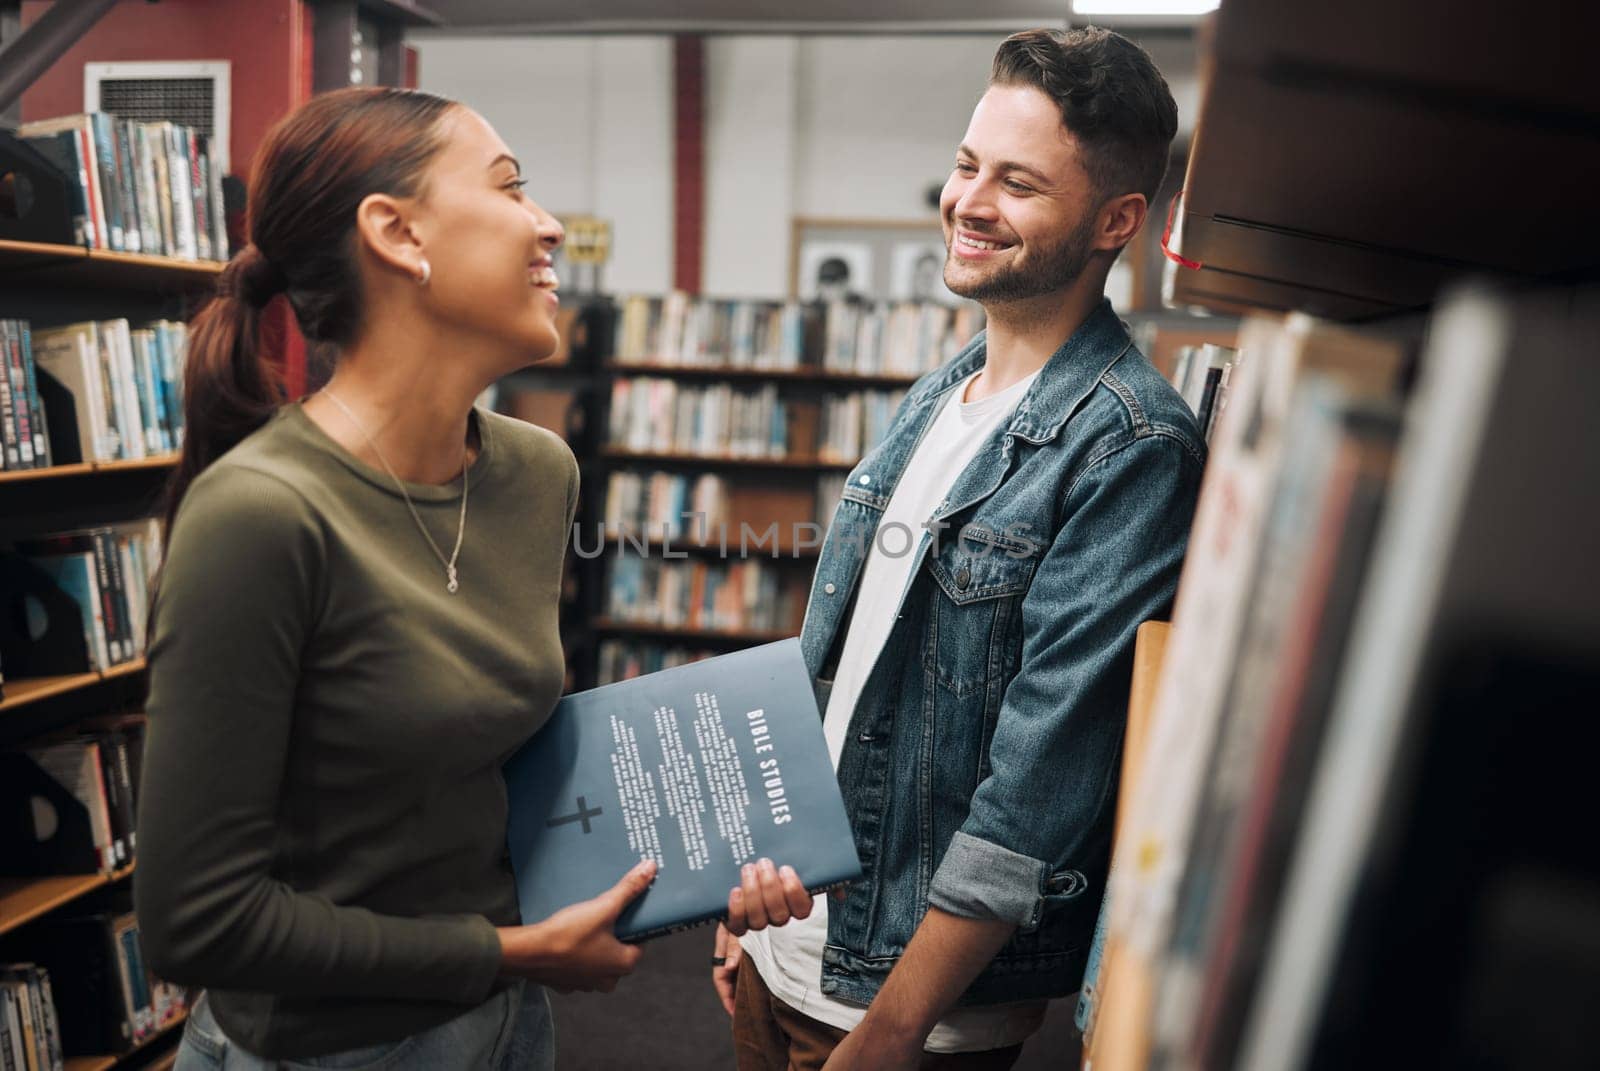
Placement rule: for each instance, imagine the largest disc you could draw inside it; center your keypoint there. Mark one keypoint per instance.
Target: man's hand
(725, 976)
(766, 896)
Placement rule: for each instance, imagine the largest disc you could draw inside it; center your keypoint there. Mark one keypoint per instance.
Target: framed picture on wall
(830, 269)
(885, 260)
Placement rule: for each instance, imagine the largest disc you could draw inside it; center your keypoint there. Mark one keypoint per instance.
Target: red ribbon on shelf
(1166, 237)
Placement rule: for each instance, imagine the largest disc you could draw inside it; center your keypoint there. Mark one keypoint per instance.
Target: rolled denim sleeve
(1042, 818)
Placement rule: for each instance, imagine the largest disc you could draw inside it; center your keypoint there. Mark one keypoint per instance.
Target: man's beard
(1055, 268)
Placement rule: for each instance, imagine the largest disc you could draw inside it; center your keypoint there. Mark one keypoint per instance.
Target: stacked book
(136, 187)
(852, 423)
(682, 331)
(24, 433)
(739, 596)
(622, 660)
(658, 415)
(122, 386)
(657, 505)
(106, 573)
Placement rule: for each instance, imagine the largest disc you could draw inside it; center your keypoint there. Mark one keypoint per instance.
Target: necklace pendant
(452, 585)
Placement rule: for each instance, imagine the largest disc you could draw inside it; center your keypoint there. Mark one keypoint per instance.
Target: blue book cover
(703, 768)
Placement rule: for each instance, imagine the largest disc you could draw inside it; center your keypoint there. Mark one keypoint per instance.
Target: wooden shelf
(24, 899)
(25, 690)
(798, 464)
(89, 468)
(675, 632)
(822, 376)
(165, 1060)
(70, 264)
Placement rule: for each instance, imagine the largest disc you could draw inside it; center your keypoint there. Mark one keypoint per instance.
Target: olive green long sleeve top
(322, 821)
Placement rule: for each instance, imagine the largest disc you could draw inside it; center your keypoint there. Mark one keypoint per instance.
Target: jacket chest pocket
(975, 624)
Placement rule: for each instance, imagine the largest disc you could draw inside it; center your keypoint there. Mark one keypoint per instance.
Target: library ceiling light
(1146, 8)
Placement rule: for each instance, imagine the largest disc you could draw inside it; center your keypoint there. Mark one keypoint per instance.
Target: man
(974, 688)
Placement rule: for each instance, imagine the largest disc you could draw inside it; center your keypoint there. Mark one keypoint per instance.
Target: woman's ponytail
(312, 172)
(228, 389)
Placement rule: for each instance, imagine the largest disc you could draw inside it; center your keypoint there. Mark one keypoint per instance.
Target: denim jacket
(980, 770)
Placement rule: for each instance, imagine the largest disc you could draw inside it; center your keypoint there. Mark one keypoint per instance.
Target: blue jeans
(511, 1031)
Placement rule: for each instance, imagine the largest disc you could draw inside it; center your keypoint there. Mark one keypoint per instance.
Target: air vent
(191, 94)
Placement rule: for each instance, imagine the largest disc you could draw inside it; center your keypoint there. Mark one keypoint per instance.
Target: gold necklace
(451, 582)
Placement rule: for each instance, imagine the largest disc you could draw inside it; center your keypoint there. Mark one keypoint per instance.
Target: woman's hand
(725, 975)
(577, 947)
(766, 896)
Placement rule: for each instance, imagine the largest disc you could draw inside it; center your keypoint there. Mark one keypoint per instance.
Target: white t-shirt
(789, 957)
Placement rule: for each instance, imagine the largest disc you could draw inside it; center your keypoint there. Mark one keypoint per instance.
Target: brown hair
(311, 173)
(1113, 101)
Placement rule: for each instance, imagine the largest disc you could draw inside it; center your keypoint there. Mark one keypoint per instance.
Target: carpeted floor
(666, 1017)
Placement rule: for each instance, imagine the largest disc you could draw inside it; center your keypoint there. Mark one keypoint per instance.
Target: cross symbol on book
(583, 814)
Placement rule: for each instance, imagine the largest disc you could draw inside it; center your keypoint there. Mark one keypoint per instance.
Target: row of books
(681, 506)
(661, 415)
(668, 505)
(84, 990)
(30, 1035)
(621, 660)
(681, 330)
(71, 801)
(748, 595)
(853, 423)
(105, 572)
(24, 436)
(845, 336)
(123, 384)
(1297, 485)
(1203, 375)
(136, 187)
(895, 338)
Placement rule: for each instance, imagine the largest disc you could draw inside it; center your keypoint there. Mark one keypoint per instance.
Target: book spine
(42, 453)
(106, 370)
(132, 230)
(123, 631)
(116, 806)
(110, 198)
(21, 403)
(10, 1047)
(35, 1026)
(197, 188)
(144, 386)
(10, 451)
(157, 133)
(52, 1021)
(108, 605)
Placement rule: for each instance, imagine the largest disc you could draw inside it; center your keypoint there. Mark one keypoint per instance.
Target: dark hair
(311, 173)
(1112, 99)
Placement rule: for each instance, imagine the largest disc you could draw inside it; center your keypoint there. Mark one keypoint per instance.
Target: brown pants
(768, 1035)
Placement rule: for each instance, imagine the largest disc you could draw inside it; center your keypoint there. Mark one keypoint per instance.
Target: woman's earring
(427, 272)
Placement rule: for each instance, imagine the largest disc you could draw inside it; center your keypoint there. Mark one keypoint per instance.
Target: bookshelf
(1298, 882)
(50, 286)
(69, 265)
(699, 348)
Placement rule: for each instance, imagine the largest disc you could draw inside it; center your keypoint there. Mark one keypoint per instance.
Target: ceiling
(749, 16)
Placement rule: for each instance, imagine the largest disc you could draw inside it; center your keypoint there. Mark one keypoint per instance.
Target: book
(703, 768)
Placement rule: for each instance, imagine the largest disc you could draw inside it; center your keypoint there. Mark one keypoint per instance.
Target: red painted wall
(267, 41)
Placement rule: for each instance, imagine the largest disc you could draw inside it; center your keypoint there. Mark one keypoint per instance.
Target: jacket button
(865, 480)
(963, 578)
(828, 588)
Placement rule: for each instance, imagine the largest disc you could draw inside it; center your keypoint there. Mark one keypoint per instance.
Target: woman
(356, 624)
